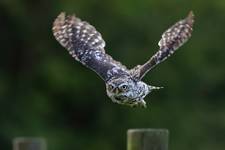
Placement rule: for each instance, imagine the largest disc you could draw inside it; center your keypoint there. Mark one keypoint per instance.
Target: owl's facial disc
(127, 91)
(117, 89)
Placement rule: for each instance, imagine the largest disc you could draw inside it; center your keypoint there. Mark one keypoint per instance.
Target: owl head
(128, 91)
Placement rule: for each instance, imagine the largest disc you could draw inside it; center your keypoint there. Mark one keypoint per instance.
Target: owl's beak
(117, 90)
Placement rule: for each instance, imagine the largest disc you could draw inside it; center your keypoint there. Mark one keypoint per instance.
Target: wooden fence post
(25, 143)
(147, 139)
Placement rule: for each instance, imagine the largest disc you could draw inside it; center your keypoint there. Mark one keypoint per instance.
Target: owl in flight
(123, 86)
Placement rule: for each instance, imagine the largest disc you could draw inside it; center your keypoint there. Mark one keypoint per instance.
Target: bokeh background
(45, 93)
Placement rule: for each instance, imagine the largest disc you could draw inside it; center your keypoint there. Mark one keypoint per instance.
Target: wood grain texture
(29, 143)
(147, 139)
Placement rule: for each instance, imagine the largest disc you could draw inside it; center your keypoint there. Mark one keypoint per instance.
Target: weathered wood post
(147, 139)
(24, 143)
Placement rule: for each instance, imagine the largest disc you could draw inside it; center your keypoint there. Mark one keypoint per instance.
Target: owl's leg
(140, 103)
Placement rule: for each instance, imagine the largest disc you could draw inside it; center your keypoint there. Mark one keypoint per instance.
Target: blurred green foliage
(44, 92)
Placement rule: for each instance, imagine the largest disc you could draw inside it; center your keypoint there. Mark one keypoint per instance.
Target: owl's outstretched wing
(171, 40)
(86, 45)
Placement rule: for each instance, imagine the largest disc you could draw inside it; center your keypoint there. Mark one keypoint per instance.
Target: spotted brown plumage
(171, 40)
(123, 86)
(86, 45)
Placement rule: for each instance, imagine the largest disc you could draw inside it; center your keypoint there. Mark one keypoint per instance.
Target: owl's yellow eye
(110, 87)
(124, 87)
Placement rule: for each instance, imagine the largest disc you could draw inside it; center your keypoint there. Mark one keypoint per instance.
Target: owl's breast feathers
(86, 45)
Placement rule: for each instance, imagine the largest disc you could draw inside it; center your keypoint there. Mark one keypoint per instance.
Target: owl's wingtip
(59, 21)
(190, 18)
(63, 13)
(191, 13)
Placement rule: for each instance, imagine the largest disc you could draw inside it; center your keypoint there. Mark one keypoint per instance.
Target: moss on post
(147, 139)
(23, 143)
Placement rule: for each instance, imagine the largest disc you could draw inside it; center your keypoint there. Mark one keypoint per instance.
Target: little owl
(123, 86)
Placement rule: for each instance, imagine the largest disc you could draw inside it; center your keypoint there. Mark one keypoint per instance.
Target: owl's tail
(154, 88)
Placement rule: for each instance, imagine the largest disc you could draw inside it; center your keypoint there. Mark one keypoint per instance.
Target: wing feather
(171, 40)
(86, 45)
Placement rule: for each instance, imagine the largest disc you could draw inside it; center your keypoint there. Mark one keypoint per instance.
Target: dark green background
(44, 92)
